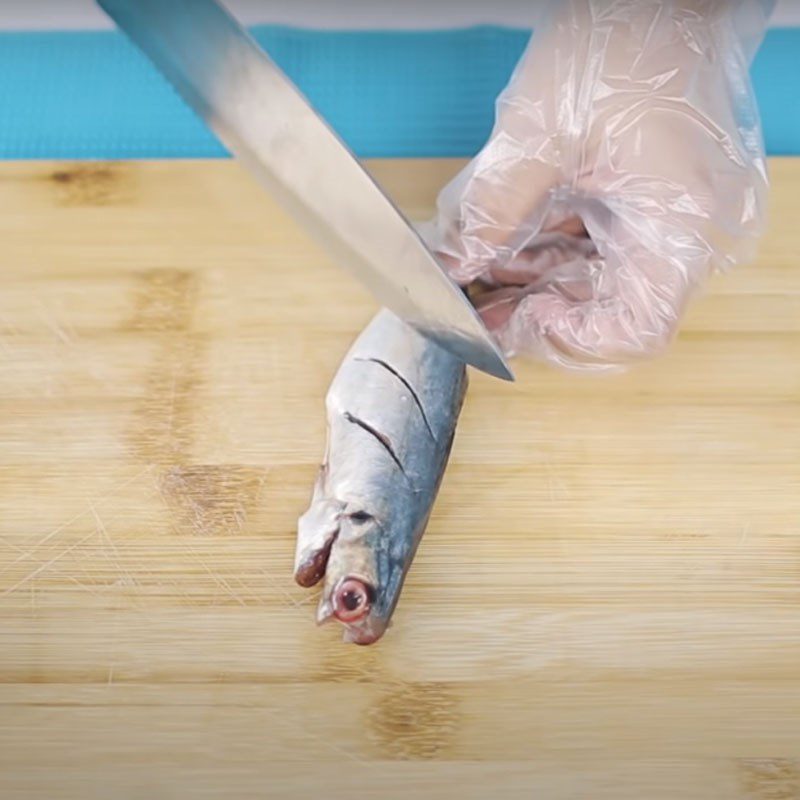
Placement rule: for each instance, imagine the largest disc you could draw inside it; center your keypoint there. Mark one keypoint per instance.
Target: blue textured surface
(93, 96)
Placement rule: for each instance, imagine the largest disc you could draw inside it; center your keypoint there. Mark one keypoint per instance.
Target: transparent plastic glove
(625, 165)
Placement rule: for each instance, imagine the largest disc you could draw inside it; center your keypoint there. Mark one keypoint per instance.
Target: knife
(262, 118)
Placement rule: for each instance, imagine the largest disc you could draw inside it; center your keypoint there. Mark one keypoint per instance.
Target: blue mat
(93, 96)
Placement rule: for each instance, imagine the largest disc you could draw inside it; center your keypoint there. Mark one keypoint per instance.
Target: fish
(392, 410)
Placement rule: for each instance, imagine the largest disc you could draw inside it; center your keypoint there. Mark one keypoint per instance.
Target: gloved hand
(626, 163)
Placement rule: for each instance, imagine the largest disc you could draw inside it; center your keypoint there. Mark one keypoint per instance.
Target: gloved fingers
(566, 223)
(497, 306)
(546, 252)
(491, 211)
(570, 278)
(596, 313)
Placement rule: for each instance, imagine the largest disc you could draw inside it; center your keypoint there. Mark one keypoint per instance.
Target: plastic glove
(625, 165)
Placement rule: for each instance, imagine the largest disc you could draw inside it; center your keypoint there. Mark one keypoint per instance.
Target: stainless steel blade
(271, 128)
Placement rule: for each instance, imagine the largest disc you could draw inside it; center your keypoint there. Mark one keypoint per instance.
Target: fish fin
(324, 612)
(348, 637)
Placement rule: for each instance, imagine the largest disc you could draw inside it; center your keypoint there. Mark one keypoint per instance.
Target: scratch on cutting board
(30, 553)
(43, 567)
(745, 534)
(55, 571)
(49, 318)
(211, 499)
(293, 601)
(117, 561)
(218, 580)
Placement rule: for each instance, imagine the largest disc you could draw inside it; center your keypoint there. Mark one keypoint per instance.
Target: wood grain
(606, 604)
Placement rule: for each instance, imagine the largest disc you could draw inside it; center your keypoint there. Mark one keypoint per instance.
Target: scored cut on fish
(392, 412)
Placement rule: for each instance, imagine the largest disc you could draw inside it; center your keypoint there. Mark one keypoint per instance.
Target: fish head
(351, 549)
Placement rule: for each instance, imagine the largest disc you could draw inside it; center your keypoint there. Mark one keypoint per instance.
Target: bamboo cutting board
(606, 603)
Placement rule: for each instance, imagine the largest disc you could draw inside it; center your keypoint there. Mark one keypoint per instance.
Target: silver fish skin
(392, 413)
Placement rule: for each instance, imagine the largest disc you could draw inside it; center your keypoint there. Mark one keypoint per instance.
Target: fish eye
(352, 600)
(360, 517)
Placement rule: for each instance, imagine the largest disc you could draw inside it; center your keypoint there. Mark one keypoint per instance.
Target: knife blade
(269, 126)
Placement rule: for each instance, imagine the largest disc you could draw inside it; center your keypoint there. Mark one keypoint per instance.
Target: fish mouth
(311, 571)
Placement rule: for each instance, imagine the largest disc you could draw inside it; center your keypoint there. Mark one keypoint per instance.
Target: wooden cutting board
(606, 603)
